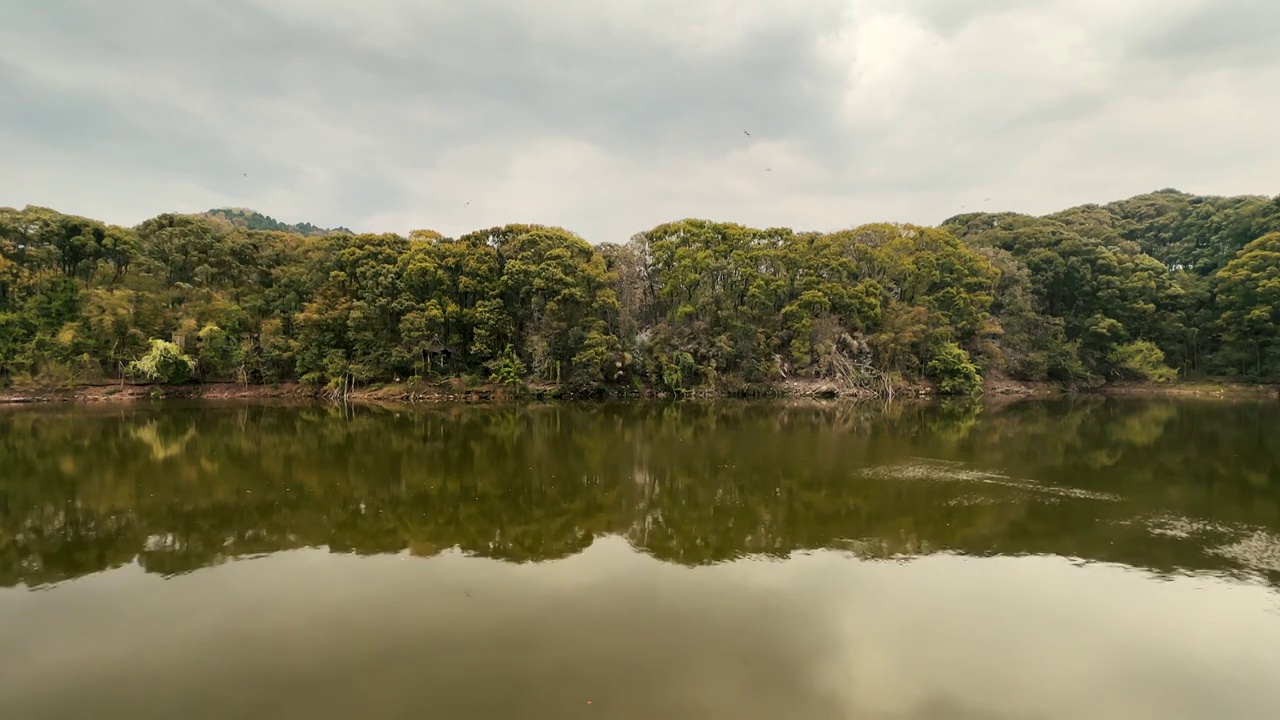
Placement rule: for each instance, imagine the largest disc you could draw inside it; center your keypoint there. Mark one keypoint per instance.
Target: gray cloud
(610, 117)
(1219, 36)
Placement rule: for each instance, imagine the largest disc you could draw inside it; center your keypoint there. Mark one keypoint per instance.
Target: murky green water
(1047, 560)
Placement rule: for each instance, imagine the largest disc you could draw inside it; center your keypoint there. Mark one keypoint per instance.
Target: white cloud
(610, 117)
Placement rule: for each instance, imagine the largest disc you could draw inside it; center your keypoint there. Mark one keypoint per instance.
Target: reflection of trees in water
(149, 434)
(183, 488)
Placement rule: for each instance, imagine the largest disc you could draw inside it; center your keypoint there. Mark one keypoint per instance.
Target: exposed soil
(1206, 389)
(454, 391)
(131, 392)
(1015, 388)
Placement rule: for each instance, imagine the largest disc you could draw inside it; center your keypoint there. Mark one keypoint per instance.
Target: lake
(1083, 558)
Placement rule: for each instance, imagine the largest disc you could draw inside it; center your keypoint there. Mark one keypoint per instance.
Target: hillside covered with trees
(1155, 287)
(252, 220)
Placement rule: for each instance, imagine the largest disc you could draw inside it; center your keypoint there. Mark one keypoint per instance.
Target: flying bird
(744, 132)
(768, 169)
(466, 203)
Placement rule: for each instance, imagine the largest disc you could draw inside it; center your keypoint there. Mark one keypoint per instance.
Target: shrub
(952, 369)
(506, 369)
(164, 363)
(1142, 360)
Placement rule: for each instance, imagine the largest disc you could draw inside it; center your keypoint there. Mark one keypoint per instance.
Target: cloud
(609, 117)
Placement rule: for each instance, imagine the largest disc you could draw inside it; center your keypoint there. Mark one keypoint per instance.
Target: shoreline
(999, 390)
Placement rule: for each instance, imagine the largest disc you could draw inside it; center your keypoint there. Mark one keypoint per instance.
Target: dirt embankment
(130, 392)
(1194, 389)
(456, 392)
(1013, 388)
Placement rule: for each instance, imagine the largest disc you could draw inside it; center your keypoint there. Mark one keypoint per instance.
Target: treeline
(251, 220)
(1154, 287)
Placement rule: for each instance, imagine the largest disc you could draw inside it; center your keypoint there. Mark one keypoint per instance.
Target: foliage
(164, 363)
(218, 356)
(953, 371)
(1160, 283)
(251, 220)
(1143, 360)
(1249, 297)
(506, 369)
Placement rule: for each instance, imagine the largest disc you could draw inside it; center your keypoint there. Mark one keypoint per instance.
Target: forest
(1158, 287)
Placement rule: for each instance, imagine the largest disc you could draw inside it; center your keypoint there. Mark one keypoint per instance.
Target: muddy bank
(456, 392)
(1193, 389)
(130, 392)
(447, 391)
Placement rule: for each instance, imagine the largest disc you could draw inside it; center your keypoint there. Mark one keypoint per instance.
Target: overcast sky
(611, 116)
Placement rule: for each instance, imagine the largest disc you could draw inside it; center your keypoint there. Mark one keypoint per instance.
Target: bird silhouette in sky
(744, 132)
(768, 169)
(466, 203)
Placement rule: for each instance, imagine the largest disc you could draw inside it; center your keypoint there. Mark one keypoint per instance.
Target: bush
(952, 369)
(164, 363)
(1144, 361)
(216, 353)
(506, 369)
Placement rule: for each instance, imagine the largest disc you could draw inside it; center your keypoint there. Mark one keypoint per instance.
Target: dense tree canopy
(250, 220)
(1152, 287)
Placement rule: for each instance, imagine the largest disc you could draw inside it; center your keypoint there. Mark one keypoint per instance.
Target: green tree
(1143, 360)
(951, 368)
(1249, 297)
(218, 354)
(507, 370)
(1138, 288)
(164, 363)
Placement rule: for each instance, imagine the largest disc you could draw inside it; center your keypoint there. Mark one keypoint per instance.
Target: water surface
(1087, 559)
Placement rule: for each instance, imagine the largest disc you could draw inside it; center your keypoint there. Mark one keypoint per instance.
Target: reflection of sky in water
(308, 634)
(1042, 560)
(951, 471)
(1249, 547)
